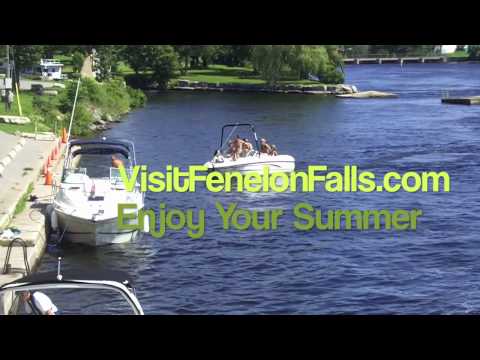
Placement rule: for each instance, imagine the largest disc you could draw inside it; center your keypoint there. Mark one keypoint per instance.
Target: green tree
(269, 60)
(108, 56)
(401, 50)
(474, 51)
(297, 61)
(164, 65)
(184, 52)
(26, 56)
(77, 61)
(160, 60)
(355, 50)
(234, 55)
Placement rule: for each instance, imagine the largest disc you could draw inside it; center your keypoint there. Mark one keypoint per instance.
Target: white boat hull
(280, 163)
(93, 233)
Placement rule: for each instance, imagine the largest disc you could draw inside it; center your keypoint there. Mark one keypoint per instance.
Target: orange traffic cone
(64, 136)
(45, 169)
(48, 178)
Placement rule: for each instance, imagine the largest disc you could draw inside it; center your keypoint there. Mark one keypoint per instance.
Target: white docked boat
(82, 292)
(85, 208)
(254, 161)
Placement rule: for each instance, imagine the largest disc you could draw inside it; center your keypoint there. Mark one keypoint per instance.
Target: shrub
(332, 76)
(112, 97)
(82, 120)
(137, 97)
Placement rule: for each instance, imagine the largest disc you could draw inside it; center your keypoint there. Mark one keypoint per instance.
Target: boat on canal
(85, 206)
(253, 161)
(83, 289)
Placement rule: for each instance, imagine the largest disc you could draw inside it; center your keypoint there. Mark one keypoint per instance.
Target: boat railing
(116, 179)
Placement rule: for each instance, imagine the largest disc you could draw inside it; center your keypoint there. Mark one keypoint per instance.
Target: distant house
(49, 69)
(445, 49)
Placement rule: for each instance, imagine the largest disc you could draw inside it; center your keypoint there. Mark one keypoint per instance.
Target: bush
(46, 108)
(332, 76)
(110, 97)
(137, 97)
(82, 120)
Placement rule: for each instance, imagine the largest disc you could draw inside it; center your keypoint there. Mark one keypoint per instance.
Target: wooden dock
(472, 100)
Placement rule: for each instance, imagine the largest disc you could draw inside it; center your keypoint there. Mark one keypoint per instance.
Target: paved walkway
(25, 170)
(7, 142)
(20, 173)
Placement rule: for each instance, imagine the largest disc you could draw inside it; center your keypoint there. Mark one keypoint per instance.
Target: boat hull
(93, 233)
(281, 163)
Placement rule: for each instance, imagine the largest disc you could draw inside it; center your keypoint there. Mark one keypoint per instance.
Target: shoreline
(321, 89)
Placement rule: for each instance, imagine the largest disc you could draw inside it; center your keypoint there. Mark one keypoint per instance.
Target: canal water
(434, 270)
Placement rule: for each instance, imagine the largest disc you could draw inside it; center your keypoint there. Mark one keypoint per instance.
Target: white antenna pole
(73, 111)
(59, 274)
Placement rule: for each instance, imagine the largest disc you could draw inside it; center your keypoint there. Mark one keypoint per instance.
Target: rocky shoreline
(104, 121)
(338, 89)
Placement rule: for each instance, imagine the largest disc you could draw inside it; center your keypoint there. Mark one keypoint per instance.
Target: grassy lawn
(457, 54)
(27, 128)
(26, 99)
(124, 69)
(223, 74)
(234, 75)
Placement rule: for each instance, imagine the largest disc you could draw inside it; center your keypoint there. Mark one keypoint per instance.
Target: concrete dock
(24, 171)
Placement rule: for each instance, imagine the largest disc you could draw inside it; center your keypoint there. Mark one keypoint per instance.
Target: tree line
(164, 62)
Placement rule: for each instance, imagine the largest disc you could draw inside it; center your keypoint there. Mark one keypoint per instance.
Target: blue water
(434, 270)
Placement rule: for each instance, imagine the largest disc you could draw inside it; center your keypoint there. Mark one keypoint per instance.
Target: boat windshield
(78, 301)
(99, 165)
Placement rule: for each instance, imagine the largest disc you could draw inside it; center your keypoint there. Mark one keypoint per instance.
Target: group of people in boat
(239, 147)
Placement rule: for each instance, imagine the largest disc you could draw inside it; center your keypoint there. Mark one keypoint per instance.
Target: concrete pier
(395, 60)
(31, 221)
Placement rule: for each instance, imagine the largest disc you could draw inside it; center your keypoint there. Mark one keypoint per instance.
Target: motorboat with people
(239, 154)
(85, 206)
(77, 292)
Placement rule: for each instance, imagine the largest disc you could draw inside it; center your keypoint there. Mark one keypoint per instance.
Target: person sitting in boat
(265, 148)
(246, 147)
(116, 163)
(38, 303)
(273, 150)
(237, 146)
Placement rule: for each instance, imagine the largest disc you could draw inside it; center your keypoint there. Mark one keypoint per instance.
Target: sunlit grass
(222, 74)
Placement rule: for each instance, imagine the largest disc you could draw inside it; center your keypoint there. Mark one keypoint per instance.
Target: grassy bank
(235, 75)
(214, 74)
(458, 54)
(98, 103)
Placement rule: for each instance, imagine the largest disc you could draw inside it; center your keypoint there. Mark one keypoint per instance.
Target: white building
(48, 69)
(446, 49)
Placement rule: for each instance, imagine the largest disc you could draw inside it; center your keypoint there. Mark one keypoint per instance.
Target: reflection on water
(431, 270)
